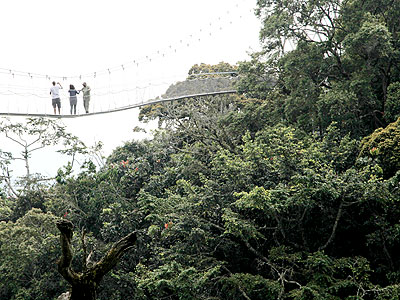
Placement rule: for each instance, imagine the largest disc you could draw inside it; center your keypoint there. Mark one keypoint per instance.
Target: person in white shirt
(55, 96)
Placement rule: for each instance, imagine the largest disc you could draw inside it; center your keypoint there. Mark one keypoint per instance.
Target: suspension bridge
(186, 89)
(145, 80)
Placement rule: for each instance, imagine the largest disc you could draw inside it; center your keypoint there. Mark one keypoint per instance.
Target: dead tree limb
(84, 285)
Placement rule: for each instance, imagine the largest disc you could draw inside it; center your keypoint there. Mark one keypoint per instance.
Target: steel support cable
(142, 94)
(150, 102)
(110, 91)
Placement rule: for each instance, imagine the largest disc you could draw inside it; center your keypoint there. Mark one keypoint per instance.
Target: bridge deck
(150, 102)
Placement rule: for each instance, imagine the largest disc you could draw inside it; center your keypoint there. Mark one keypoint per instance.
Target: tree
(383, 146)
(32, 136)
(84, 285)
(343, 53)
(196, 83)
(392, 104)
(28, 254)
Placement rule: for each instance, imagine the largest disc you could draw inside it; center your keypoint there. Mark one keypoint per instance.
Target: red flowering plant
(374, 151)
(124, 164)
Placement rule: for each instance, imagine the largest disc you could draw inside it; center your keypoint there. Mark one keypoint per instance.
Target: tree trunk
(84, 285)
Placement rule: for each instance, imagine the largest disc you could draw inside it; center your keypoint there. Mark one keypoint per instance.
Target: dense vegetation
(289, 190)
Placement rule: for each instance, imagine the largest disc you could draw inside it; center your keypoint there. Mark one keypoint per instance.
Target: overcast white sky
(73, 38)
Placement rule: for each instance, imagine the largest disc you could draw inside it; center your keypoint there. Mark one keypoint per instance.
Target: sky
(126, 50)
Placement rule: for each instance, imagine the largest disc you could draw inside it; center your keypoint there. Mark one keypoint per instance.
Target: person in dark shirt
(73, 98)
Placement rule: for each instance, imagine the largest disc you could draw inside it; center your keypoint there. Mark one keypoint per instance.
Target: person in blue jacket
(73, 98)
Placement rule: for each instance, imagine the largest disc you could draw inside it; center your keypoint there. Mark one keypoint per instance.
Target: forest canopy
(288, 189)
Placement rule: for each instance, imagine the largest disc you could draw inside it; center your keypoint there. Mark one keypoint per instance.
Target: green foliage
(392, 104)
(6, 208)
(197, 69)
(332, 60)
(285, 192)
(194, 84)
(250, 210)
(33, 135)
(383, 146)
(258, 79)
(339, 105)
(28, 252)
(254, 287)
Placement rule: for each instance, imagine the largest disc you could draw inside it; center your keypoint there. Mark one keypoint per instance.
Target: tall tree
(30, 137)
(84, 285)
(331, 53)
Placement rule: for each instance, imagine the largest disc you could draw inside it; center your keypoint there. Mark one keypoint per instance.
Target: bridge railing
(36, 101)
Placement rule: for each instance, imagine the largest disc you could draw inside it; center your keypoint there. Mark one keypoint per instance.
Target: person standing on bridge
(55, 96)
(86, 96)
(72, 98)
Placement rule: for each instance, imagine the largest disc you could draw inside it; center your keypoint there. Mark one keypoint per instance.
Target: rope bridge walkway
(37, 102)
(117, 109)
(140, 81)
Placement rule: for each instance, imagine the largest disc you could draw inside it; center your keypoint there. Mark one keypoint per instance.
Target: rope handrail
(127, 107)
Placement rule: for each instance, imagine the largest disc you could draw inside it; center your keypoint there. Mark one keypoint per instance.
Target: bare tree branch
(84, 285)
